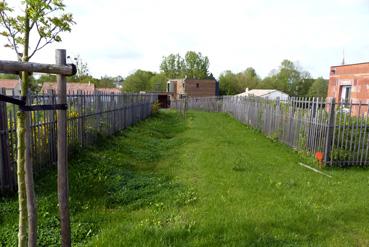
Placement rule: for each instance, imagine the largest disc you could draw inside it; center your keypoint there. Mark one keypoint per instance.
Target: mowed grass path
(208, 180)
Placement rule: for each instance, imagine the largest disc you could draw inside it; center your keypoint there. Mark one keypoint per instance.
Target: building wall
(277, 94)
(192, 88)
(356, 76)
(200, 88)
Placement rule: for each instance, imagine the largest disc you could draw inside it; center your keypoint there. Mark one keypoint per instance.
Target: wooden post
(62, 154)
(30, 191)
(330, 132)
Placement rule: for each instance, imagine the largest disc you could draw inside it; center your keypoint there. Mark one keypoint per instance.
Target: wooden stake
(62, 154)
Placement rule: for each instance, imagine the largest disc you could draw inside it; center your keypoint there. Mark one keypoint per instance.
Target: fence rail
(88, 116)
(338, 131)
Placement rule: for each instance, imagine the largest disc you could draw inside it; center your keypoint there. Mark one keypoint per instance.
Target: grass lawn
(204, 181)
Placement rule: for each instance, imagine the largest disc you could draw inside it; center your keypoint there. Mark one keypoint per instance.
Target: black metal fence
(89, 115)
(338, 132)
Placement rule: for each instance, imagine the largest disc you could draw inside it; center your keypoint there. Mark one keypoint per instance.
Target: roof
(109, 90)
(351, 64)
(8, 84)
(88, 88)
(191, 80)
(259, 92)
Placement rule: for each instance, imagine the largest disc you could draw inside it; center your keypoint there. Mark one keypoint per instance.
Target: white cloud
(118, 37)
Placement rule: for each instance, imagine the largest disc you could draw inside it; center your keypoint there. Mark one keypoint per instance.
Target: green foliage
(193, 66)
(158, 83)
(145, 81)
(138, 81)
(231, 83)
(46, 17)
(9, 77)
(196, 65)
(289, 78)
(173, 66)
(155, 107)
(319, 88)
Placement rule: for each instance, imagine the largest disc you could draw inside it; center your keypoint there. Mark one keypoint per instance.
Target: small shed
(264, 93)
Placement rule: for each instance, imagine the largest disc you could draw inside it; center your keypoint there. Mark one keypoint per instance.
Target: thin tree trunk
(27, 203)
(21, 181)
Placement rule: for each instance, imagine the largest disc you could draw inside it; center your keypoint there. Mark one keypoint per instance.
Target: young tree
(42, 21)
(82, 69)
(194, 66)
(173, 66)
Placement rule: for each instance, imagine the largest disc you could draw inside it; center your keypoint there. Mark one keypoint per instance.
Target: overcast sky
(118, 37)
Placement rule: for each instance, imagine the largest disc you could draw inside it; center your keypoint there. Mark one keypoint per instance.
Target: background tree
(319, 88)
(158, 83)
(173, 66)
(47, 20)
(289, 78)
(138, 81)
(105, 82)
(194, 66)
(231, 83)
(228, 84)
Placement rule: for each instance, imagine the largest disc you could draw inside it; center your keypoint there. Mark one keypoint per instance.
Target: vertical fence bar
(7, 179)
(330, 131)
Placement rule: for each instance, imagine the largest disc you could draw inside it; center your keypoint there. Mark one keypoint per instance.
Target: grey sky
(118, 37)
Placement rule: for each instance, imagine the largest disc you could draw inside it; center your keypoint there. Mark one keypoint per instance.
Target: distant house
(12, 87)
(265, 93)
(178, 88)
(74, 87)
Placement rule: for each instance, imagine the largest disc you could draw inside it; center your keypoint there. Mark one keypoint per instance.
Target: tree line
(193, 66)
(288, 78)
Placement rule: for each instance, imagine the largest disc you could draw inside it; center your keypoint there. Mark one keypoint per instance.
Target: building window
(345, 94)
(197, 85)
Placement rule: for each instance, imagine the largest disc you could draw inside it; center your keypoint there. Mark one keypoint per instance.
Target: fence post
(62, 153)
(330, 132)
(7, 178)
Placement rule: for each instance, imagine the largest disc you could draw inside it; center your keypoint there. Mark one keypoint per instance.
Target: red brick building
(350, 83)
(177, 88)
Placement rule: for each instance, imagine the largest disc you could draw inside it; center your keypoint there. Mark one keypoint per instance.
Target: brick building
(177, 88)
(350, 83)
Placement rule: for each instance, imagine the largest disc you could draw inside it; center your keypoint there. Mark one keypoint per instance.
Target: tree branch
(48, 41)
(12, 34)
